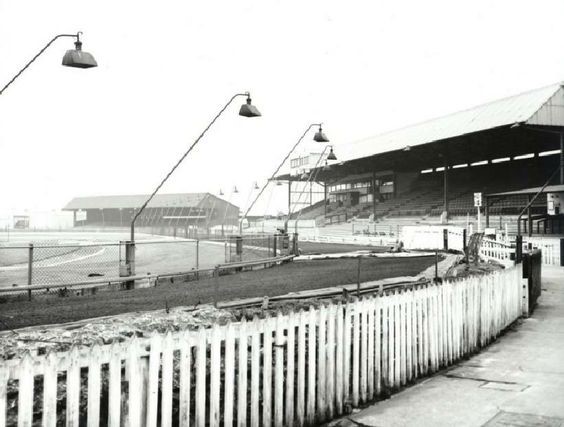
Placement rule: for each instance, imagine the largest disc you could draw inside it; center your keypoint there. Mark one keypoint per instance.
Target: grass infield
(278, 280)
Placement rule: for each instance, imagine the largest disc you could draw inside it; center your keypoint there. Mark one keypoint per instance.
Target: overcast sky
(165, 69)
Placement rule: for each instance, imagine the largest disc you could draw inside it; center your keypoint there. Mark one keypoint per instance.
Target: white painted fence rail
(352, 240)
(432, 237)
(293, 369)
(550, 247)
(497, 251)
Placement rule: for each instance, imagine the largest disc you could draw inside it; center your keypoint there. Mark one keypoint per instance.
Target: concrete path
(517, 381)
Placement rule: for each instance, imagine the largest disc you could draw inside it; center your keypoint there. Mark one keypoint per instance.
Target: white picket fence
(293, 369)
(497, 251)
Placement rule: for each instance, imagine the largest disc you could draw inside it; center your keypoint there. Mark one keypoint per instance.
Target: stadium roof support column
(445, 195)
(325, 200)
(561, 157)
(289, 206)
(373, 196)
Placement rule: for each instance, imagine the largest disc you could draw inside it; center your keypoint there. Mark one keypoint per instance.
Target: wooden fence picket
(229, 375)
(114, 386)
(215, 375)
(25, 392)
(200, 392)
(242, 358)
(255, 371)
(321, 363)
(279, 345)
(356, 355)
(311, 366)
(363, 350)
(50, 389)
(370, 356)
(330, 352)
(301, 380)
(167, 373)
(347, 352)
(267, 372)
(290, 368)
(378, 345)
(133, 373)
(339, 361)
(185, 377)
(3, 396)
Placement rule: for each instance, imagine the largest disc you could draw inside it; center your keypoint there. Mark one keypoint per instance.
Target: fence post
(518, 249)
(436, 266)
(274, 244)
(358, 278)
(30, 270)
(198, 259)
(216, 285)
(445, 239)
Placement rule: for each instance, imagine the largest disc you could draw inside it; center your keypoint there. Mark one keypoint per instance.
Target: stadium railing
(57, 269)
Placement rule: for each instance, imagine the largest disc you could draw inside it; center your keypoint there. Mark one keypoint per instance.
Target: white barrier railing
(302, 367)
(497, 251)
(432, 237)
(353, 240)
(550, 247)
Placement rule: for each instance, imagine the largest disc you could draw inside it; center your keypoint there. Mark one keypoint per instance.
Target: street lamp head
(320, 136)
(77, 58)
(256, 187)
(326, 167)
(331, 155)
(235, 189)
(249, 110)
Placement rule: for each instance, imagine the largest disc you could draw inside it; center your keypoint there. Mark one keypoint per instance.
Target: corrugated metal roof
(503, 112)
(136, 201)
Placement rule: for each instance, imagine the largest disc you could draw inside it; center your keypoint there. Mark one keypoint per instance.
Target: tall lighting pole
(312, 176)
(246, 110)
(75, 58)
(318, 137)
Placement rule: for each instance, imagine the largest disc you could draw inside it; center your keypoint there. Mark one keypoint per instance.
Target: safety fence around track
(434, 237)
(50, 264)
(298, 368)
(498, 251)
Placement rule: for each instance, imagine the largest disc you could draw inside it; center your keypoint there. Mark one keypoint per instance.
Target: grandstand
(429, 172)
(185, 210)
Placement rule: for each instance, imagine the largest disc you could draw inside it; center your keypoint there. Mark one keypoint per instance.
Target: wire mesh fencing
(49, 268)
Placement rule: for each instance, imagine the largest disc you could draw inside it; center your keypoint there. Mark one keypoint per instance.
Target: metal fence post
(216, 285)
(198, 259)
(274, 246)
(30, 270)
(358, 279)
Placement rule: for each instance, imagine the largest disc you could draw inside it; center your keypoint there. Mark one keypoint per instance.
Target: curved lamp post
(246, 110)
(75, 58)
(311, 176)
(318, 137)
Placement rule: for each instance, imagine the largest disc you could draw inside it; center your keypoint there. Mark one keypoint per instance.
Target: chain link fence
(49, 268)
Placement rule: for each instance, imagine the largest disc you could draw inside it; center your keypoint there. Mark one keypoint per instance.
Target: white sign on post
(81, 215)
(478, 204)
